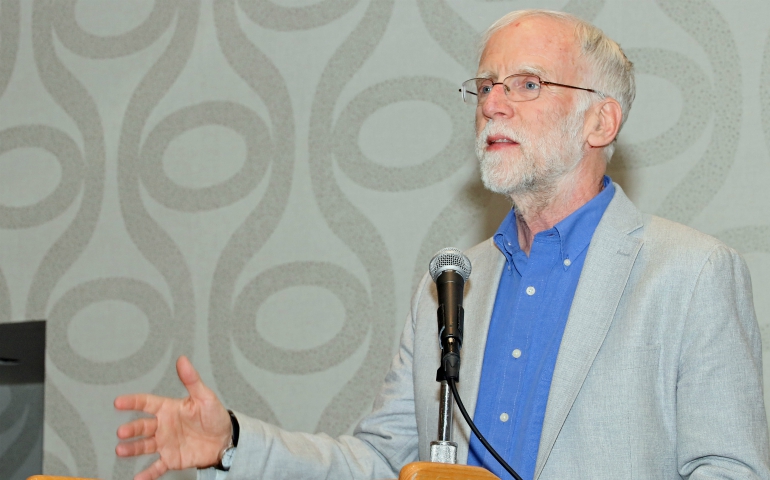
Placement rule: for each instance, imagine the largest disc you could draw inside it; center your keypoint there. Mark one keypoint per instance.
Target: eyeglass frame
(507, 89)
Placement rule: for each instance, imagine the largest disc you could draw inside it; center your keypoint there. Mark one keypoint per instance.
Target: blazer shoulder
(664, 234)
(657, 233)
(483, 249)
(687, 251)
(482, 252)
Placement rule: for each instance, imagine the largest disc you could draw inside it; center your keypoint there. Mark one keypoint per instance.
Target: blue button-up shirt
(530, 312)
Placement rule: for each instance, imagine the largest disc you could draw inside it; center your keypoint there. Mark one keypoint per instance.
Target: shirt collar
(578, 228)
(507, 240)
(574, 232)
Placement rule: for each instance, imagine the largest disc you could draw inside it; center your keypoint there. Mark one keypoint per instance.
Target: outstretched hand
(189, 432)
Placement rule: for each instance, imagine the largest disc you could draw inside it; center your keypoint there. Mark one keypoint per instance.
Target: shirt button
(530, 290)
(503, 417)
(516, 353)
(567, 262)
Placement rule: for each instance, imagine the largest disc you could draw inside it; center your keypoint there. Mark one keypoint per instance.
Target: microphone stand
(450, 269)
(449, 316)
(444, 450)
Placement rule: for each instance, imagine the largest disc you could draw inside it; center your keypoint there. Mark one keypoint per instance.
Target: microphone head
(450, 258)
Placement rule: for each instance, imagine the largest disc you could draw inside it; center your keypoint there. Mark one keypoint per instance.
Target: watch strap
(225, 456)
(236, 428)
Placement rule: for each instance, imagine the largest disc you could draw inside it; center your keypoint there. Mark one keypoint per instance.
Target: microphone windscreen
(450, 258)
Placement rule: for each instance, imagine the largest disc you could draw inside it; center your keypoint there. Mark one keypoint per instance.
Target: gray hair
(610, 71)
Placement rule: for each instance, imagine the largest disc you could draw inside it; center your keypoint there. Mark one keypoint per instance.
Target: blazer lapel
(608, 264)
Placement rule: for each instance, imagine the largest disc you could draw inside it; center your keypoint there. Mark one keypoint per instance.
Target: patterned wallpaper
(259, 184)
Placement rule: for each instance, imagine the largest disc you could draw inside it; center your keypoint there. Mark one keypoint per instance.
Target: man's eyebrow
(521, 70)
(532, 70)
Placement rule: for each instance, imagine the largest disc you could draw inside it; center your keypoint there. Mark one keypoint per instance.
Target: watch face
(227, 458)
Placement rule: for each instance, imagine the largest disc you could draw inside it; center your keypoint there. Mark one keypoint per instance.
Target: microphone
(449, 268)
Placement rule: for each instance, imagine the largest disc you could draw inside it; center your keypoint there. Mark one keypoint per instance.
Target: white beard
(542, 163)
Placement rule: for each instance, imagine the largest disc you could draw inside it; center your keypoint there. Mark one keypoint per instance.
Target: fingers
(152, 472)
(141, 402)
(133, 448)
(142, 427)
(190, 378)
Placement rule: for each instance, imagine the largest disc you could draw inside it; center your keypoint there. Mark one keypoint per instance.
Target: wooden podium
(443, 471)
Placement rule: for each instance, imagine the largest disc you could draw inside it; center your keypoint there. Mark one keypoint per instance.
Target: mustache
(493, 128)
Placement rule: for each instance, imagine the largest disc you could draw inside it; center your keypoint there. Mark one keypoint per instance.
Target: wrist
(225, 457)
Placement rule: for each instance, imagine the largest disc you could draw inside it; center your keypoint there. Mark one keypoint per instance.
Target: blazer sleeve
(382, 443)
(721, 423)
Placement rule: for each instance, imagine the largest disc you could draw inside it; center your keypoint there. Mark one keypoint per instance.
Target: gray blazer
(658, 374)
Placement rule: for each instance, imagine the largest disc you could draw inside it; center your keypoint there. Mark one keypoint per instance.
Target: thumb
(190, 378)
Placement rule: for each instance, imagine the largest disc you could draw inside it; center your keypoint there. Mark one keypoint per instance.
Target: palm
(189, 432)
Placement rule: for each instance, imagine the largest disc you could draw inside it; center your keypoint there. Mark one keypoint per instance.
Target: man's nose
(497, 103)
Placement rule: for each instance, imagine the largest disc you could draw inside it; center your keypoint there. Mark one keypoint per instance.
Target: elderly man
(600, 342)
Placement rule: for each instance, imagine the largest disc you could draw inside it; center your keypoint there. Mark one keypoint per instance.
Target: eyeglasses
(520, 87)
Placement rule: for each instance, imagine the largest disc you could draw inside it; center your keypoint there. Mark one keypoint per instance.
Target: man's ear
(604, 123)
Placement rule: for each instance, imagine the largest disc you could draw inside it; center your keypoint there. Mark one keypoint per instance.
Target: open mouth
(500, 141)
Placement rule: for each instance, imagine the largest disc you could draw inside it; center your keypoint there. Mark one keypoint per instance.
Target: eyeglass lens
(517, 88)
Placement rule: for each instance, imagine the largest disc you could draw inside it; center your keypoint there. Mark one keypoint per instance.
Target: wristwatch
(226, 456)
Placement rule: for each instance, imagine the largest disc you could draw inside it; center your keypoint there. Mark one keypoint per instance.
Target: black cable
(481, 438)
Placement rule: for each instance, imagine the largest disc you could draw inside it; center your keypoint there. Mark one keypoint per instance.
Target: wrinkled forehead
(541, 46)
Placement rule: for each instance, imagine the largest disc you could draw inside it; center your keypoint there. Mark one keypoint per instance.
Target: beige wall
(259, 186)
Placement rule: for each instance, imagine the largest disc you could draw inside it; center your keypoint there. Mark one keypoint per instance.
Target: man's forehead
(536, 45)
